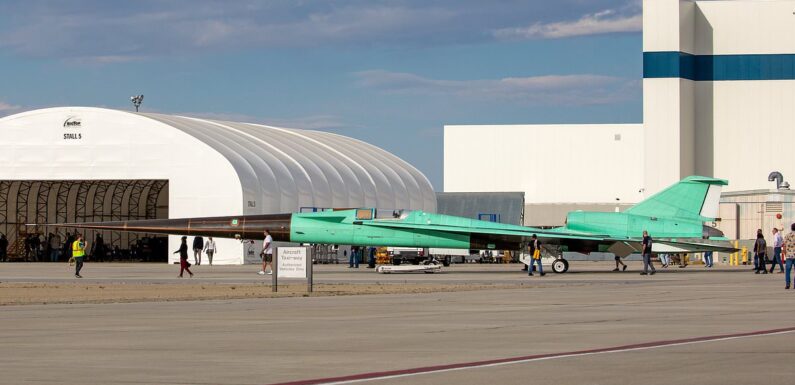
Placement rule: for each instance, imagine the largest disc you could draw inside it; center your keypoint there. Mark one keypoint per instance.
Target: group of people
(783, 247)
(199, 245)
(56, 248)
(357, 256)
(209, 247)
(38, 248)
(761, 256)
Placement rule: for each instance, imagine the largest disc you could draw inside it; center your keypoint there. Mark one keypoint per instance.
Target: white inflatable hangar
(85, 164)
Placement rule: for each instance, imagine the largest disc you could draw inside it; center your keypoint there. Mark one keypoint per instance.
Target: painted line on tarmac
(392, 374)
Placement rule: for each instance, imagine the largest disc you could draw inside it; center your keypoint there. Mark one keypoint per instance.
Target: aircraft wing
(669, 247)
(491, 236)
(623, 248)
(519, 232)
(574, 241)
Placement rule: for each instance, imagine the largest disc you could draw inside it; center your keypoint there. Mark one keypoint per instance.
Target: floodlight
(137, 100)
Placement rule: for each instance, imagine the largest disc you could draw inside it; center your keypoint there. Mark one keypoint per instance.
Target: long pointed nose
(245, 227)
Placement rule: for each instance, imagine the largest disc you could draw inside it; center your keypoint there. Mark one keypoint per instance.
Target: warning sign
(292, 262)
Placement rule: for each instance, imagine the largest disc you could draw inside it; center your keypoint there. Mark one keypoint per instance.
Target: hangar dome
(212, 167)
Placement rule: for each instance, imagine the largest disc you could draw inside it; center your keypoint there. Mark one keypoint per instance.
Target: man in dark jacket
(35, 246)
(646, 247)
(535, 255)
(760, 250)
(198, 246)
(3, 248)
(67, 247)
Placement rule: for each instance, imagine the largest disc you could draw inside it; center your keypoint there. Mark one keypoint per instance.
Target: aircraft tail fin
(692, 198)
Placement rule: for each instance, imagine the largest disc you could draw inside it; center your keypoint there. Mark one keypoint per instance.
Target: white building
(718, 97)
(78, 164)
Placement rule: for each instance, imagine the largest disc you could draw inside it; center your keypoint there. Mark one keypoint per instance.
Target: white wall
(121, 145)
(754, 125)
(661, 28)
(550, 163)
(745, 27)
(669, 109)
(749, 124)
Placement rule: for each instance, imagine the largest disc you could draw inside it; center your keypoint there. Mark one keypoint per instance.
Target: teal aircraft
(674, 217)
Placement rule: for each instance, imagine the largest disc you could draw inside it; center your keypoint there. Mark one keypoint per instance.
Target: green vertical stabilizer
(694, 198)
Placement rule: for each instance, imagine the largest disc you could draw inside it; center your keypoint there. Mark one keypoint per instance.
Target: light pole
(137, 100)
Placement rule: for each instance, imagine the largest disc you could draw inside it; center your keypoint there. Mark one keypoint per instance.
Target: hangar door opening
(61, 201)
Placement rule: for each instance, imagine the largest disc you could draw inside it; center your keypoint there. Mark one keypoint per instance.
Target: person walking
(708, 259)
(98, 251)
(55, 247)
(3, 248)
(198, 245)
(756, 256)
(267, 254)
(371, 258)
(777, 242)
(39, 242)
(67, 247)
(28, 250)
(760, 249)
(789, 254)
(619, 262)
(665, 259)
(646, 247)
(78, 253)
(48, 247)
(35, 243)
(535, 256)
(184, 265)
(353, 261)
(683, 260)
(209, 248)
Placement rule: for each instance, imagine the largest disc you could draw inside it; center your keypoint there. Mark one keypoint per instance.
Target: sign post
(293, 262)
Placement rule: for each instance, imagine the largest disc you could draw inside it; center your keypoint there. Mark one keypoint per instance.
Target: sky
(391, 73)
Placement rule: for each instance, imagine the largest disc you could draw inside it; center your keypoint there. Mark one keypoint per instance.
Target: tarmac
(588, 326)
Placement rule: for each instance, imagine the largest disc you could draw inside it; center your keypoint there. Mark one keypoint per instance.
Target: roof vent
(779, 179)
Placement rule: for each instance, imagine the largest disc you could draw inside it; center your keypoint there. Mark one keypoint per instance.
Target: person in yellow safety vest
(78, 253)
(535, 253)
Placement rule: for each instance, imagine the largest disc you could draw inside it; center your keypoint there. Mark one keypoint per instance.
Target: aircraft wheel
(447, 261)
(560, 266)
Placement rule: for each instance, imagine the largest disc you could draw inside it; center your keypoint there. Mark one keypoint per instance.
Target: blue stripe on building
(674, 64)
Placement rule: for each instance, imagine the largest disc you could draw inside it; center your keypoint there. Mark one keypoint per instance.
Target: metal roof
(288, 169)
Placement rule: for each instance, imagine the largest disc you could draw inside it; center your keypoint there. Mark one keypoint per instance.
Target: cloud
(602, 22)
(580, 89)
(8, 109)
(95, 31)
